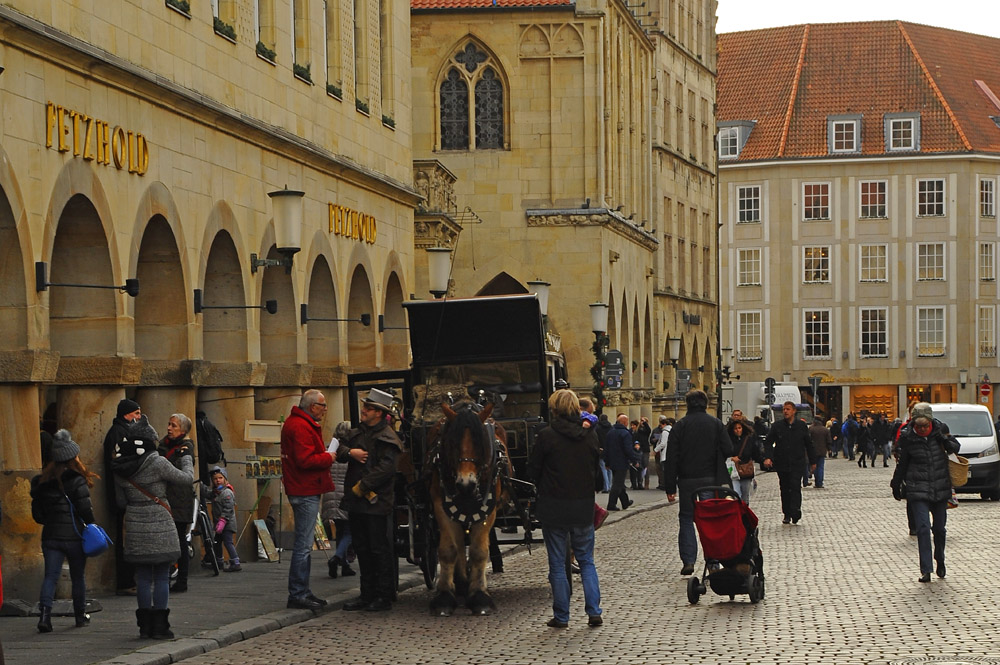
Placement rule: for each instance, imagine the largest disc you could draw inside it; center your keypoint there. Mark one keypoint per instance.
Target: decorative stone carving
(436, 184)
(595, 217)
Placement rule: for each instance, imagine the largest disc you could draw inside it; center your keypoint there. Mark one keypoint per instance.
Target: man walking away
(820, 443)
(786, 449)
(619, 455)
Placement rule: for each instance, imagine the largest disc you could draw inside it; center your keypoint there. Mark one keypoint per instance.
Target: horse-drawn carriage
(470, 406)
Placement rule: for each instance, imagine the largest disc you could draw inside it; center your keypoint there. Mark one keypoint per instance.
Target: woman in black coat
(60, 502)
(922, 478)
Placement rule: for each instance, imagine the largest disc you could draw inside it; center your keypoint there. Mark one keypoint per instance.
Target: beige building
(144, 144)
(567, 129)
(859, 166)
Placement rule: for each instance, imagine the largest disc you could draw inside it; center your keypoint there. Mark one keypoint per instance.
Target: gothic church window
(471, 98)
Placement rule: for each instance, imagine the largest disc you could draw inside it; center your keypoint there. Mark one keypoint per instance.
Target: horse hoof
(443, 605)
(481, 604)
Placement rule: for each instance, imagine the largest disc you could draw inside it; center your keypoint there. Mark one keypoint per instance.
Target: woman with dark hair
(151, 543)
(744, 451)
(60, 502)
(564, 466)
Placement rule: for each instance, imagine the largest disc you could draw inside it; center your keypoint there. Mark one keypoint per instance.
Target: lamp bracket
(270, 306)
(286, 261)
(304, 318)
(131, 285)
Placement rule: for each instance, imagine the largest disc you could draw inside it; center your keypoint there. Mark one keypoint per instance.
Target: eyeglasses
(322, 404)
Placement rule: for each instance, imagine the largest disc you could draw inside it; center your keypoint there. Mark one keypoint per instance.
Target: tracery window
(472, 102)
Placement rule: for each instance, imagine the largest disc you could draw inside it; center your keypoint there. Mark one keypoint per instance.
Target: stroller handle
(718, 492)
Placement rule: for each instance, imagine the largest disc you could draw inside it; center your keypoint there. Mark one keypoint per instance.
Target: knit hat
(218, 469)
(140, 439)
(921, 410)
(64, 448)
(127, 406)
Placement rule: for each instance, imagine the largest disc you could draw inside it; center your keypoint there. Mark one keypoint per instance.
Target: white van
(972, 425)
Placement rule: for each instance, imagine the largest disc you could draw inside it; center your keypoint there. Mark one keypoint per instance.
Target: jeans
(848, 448)
(687, 539)
(922, 513)
(225, 539)
(744, 488)
(618, 489)
(305, 510)
(818, 473)
(790, 484)
(581, 539)
(53, 552)
(184, 562)
(157, 576)
(607, 475)
(376, 557)
(343, 539)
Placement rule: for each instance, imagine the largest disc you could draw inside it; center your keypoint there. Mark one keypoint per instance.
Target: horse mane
(451, 439)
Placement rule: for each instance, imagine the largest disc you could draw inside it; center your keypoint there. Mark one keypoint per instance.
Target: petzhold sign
(95, 140)
(352, 224)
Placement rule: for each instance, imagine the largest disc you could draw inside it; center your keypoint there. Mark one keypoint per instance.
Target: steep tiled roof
(790, 79)
(486, 4)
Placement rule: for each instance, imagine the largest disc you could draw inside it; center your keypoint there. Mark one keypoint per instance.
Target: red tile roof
(487, 4)
(790, 79)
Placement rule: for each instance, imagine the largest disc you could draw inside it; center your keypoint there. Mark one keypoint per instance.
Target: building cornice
(664, 148)
(611, 219)
(825, 161)
(92, 62)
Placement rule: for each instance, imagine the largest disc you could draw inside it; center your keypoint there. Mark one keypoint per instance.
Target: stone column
(275, 404)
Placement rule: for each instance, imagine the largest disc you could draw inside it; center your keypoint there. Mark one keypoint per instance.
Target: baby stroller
(727, 529)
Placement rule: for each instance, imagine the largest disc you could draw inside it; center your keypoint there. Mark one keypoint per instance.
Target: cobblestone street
(841, 588)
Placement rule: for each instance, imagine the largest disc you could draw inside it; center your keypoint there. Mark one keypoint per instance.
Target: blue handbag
(95, 538)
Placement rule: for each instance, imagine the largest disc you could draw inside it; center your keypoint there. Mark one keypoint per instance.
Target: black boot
(45, 619)
(332, 565)
(160, 625)
(143, 621)
(82, 618)
(347, 571)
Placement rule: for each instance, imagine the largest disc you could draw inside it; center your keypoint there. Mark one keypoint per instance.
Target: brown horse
(465, 488)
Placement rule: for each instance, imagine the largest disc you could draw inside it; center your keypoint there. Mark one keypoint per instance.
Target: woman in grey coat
(151, 543)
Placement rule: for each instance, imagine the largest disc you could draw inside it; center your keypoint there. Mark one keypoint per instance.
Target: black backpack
(209, 441)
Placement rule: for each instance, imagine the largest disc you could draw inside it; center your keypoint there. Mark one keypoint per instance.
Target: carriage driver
(370, 451)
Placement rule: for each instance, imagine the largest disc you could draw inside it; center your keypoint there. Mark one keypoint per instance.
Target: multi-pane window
(816, 200)
(749, 267)
(902, 134)
(472, 102)
(873, 199)
(930, 261)
(987, 198)
(816, 330)
(749, 335)
(874, 332)
(873, 263)
(987, 262)
(845, 135)
(930, 198)
(815, 264)
(987, 331)
(748, 201)
(729, 142)
(930, 331)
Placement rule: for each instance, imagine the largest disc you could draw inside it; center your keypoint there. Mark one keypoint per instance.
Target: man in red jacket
(306, 475)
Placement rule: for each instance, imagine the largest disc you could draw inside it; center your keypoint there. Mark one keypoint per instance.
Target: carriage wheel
(429, 558)
(694, 592)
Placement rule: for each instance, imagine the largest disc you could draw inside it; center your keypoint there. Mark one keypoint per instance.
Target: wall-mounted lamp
(599, 325)
(963, 377)
(541, 289)
(287, 206)
(271, 306)
(304, 318)
(438, 270)
(381, 324)
(131, 285)
(674, 349)
(725, 374)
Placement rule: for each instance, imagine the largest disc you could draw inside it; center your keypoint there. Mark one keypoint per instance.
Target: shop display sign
(95, 140)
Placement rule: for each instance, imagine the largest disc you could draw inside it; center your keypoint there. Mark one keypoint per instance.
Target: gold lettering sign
(352, 224)
(95, 140)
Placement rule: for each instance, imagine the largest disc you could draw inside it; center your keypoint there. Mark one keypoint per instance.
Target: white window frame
(750, 335)
(815, 213)
(873, 332)
(816, 268)
(931, 197)
(844, 136)
(876, 264)
(729, 142)
(894, 127)
(215, 8)
(987, 198)
(748, 266)
(865, 209)
(986, 327)
(987, 262)
(811, 320)
(931, 332)
(930, 262)
(751, 195)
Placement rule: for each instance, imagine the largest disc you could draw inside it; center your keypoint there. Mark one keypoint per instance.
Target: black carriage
(486, 350)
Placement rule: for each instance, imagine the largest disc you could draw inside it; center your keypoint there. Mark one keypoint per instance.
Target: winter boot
(346, 570)
(142, 619)
(45, 619)
(333, 564)
(160, 625)
(82, 618)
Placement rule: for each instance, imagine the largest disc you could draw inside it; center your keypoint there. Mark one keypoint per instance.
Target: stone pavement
(841, 588)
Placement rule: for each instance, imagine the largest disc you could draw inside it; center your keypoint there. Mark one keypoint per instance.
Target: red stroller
(727, 529)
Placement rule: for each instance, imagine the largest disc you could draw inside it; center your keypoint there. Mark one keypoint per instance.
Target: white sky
(978, 16)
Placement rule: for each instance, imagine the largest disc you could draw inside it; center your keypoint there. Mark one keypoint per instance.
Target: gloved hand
(357, 488)
(220, 525)
(897, 492)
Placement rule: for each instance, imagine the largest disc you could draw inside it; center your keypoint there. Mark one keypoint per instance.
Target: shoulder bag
(745, 469)
(157, 500)
(95, 539)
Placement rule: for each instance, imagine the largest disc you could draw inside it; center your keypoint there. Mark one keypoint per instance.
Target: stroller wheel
(693, 590)
(756, 588)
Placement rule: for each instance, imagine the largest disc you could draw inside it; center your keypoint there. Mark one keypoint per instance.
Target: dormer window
(844, 133)
(902, 132)
(732, 137)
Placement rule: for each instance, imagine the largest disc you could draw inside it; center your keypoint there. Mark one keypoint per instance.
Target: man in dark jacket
(128, 412)
(787, 450)
(370, 452)
(834, 436)
(820, 443)
(305, 467)
(697, 450)
(620, 453)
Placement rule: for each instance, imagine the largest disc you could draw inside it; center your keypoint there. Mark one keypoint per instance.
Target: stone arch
(648, 366)
(534, 41)
(224, 331)
(501, 285)
(13, 279)
(322, 337)
(635, 350)
(394, 339)
(361, 351)
(567, 40)
(278, 331)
